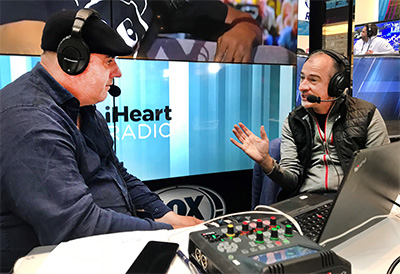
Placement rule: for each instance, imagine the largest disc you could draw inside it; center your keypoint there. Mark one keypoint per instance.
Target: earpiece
(73, 54)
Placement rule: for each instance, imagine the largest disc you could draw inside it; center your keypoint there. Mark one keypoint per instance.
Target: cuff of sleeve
(158, 209)
(272, 170)
(163, 226)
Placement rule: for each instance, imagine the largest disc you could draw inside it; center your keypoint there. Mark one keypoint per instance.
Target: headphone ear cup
(369, 31)
(73, 55)
(337, 85)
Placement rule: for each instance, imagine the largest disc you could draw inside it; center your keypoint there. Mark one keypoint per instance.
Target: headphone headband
(80, 19)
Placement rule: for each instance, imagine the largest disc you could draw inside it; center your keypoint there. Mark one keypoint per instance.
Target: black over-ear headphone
(73, 54)
(341, 80)
(369, 30)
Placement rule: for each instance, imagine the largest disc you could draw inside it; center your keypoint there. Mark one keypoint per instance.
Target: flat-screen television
(389, 30)
(173, 120)
(376, 80)
(179, 116)
(21, 31)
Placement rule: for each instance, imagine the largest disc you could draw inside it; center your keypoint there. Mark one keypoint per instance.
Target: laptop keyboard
(312, 222)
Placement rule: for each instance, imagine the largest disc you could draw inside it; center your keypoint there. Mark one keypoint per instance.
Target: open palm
(255, 147)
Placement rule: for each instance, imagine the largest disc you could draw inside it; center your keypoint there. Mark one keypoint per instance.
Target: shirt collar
(58, 93)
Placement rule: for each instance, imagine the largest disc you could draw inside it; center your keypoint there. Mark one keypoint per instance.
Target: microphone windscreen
(313, 99)
(114, 91)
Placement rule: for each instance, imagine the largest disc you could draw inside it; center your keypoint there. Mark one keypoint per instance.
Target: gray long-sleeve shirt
(325, 172)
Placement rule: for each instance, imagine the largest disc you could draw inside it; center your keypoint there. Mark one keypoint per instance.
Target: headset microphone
(114, 90)
(315, 99)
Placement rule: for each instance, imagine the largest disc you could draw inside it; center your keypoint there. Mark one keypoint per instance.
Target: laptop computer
(369, 189)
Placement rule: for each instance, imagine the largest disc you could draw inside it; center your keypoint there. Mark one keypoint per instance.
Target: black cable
(115, 125)
(393, 265)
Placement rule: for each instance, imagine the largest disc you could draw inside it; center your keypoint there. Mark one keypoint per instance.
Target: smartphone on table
(156, 257)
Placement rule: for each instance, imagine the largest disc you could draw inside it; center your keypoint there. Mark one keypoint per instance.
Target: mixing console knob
(259, 237)
(272, 221)
(230, 232)
(288, 231)
(260, 225)
(245, 228)
(274, 234)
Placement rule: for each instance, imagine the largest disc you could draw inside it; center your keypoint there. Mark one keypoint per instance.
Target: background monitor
(173, 120)
(376, 80)
(21, 31)
(179, 116)
(389, 30)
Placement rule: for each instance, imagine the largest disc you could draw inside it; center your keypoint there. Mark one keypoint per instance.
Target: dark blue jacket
(57, 182)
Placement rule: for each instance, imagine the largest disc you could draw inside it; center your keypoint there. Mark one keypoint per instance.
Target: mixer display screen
(284, 254)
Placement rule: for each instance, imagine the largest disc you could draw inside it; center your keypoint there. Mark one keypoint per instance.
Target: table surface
(371, 251)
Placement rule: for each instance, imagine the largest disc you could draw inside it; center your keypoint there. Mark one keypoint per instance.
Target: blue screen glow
(175, 118)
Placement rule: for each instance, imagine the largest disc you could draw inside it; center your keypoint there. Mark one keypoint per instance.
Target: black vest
(349, 132)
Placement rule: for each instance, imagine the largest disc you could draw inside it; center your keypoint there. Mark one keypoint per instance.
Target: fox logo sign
(190, 200)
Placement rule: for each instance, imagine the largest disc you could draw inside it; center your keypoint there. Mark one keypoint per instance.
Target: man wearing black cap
(60, 178)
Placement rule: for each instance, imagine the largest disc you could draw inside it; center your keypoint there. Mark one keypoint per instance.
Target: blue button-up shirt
(58, 182)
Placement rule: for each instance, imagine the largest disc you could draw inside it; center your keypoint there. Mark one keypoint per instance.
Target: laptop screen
(368, 190)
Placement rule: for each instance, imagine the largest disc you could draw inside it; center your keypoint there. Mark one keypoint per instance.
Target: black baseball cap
(98, 36)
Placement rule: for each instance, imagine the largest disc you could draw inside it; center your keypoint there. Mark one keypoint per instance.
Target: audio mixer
(246, 244)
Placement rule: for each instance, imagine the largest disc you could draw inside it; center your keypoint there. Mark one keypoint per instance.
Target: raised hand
(255, 147)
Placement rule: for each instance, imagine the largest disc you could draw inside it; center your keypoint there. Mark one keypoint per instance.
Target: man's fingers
(238, 130)
(263, 134)
(239, 135)
(245, 58)
(228, 55)
(245, 129)
(242, 54)
(221, 51)
(236, 143)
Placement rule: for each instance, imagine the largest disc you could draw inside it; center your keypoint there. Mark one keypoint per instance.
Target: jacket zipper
(325, 145)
